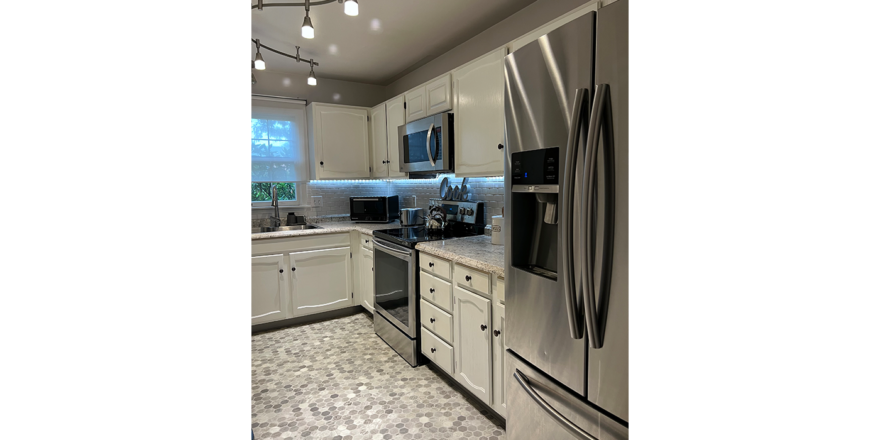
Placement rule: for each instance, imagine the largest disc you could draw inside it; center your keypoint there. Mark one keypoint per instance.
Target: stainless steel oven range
(396, 285)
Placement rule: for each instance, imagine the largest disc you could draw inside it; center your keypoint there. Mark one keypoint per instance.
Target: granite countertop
(477, 252)
(329, 228)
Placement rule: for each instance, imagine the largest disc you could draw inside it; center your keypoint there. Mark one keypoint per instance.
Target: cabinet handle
(467, 277)
(430, 264)
(433, 350)
(432, 290)
(496, 332)
(500, 147)
(483, 327)
(280, 270)
(432, 320)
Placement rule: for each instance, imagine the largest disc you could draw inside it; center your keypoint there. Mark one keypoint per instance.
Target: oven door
(426, 144)
(395, 285)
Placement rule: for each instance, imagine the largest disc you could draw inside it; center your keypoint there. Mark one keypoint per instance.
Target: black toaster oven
(375, 209)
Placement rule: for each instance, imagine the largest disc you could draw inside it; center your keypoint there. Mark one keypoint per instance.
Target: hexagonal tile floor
(337, 380)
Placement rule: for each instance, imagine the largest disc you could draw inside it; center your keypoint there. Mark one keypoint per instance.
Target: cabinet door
(416, 104)
(473, 343)
(395, 116)
(321, 280)
(342, 142)
(367, 279)
(379, 144)
(479, 117)
(498, 371)
(269, 289)
(439, 95)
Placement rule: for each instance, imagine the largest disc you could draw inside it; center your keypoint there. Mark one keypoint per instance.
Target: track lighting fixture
(259, 64)
(351, 7)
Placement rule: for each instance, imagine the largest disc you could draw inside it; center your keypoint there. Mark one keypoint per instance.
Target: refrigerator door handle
(557, 416)
(600, 119)
(569, 275)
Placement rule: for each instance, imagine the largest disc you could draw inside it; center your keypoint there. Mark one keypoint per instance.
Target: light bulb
(259, 64)
(308, 31)
(312, 80)
(351, 8)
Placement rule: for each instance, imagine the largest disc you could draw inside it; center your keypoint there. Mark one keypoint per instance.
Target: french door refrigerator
(566, 262)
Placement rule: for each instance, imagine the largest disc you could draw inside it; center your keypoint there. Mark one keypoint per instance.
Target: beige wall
(333, 91)
(524, 21)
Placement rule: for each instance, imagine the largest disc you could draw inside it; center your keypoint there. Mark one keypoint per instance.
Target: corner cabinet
(339, 141)
(479, 116)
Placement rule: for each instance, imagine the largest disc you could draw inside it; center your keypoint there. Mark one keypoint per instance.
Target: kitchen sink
(283, 228)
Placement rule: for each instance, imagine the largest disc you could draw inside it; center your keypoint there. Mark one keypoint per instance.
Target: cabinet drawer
(435, 266)
(498, 289)
(437, 321)
(436, 350)
(472, 279)
(366, 242)
(436, 291)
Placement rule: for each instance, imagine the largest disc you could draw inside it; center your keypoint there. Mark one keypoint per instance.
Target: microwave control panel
(536, 167)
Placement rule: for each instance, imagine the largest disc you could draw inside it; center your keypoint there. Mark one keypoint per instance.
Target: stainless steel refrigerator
(566, 227)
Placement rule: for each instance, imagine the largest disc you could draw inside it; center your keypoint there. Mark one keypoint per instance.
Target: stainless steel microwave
(426, 145)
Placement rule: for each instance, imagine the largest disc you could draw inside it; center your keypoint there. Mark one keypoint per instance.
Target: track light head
(308, 31)
(351, 7)
(259, 64)
(312, 81)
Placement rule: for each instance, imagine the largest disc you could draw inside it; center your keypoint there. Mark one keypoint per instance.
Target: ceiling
(387, 40)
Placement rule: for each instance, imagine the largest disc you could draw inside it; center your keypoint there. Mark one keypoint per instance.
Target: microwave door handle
(428, 145)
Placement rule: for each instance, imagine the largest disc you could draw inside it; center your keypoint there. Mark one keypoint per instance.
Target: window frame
(266, 111)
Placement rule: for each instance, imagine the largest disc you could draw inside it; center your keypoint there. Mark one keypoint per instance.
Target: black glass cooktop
(409, 237)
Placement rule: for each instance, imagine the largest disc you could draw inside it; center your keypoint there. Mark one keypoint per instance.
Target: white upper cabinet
(379, 144)
(479, 116)
(395, 116)
(339, 141)
(439, 93)
(321, 280)
(416, 104)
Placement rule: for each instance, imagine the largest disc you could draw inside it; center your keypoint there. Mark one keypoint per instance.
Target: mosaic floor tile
(337, 380)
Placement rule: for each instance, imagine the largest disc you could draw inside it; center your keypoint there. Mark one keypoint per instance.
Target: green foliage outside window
(262, 191)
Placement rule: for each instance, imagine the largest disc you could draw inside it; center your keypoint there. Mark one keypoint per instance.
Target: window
(279, 154)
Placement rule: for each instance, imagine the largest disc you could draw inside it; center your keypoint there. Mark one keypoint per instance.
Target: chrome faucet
(276, 220)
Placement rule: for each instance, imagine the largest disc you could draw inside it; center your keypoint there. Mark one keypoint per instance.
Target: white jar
(497, 232)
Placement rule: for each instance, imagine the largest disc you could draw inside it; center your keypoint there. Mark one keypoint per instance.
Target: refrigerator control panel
(536, 167)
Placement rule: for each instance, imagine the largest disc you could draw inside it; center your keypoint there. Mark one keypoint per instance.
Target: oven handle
(391, 249)
(428, 145)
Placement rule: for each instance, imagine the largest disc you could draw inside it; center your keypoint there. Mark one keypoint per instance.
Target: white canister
(497, 232)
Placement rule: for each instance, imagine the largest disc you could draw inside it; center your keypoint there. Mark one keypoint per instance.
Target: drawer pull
(483, 327)
(496, 332)
(467, 277)
(432, 320)
(433, 350)
(432, 290)
(430, 264)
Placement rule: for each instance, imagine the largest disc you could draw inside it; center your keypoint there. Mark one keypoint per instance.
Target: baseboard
(310, 319)
(464, 391)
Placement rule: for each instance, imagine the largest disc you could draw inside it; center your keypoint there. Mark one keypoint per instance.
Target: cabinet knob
(430, 264)
(432, 290)
(432, 320)
(496, 332)
(280, 270)
(500, 147)
(433, 350)
(322, 163)
(467, 277)
(483, 327)
(293, 269)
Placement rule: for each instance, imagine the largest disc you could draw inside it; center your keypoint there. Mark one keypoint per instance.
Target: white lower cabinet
(473, 342)
(366, 279)
(320, 280)
(269, 291)
(498, 347)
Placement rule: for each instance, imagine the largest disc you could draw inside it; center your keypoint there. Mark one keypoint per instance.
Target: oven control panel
(465, 212)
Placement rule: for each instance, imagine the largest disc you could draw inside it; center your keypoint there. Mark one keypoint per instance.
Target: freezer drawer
(539, 408)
